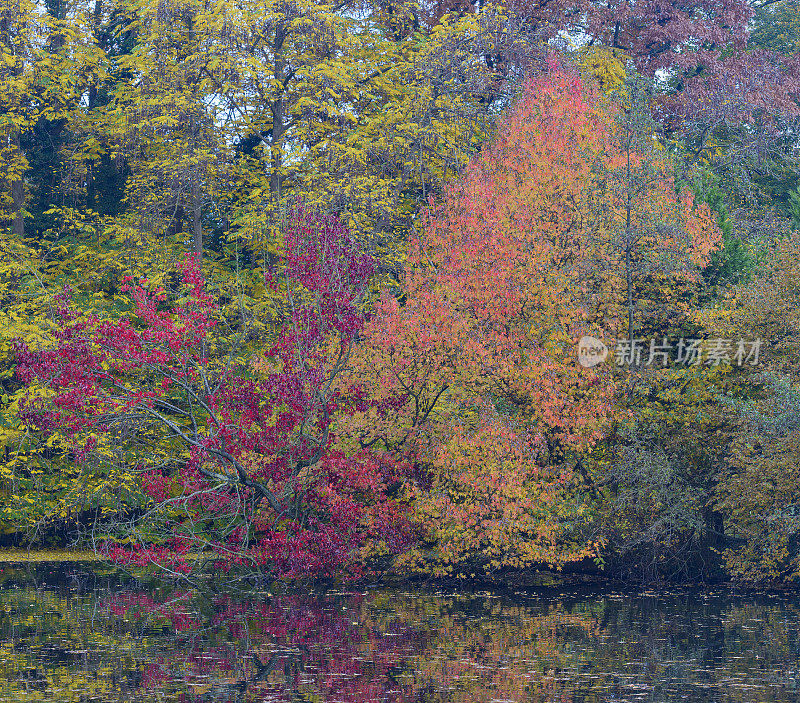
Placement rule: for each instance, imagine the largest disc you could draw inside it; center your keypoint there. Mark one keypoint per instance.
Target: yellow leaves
(43, 484)
(63, 76)
(603, 65)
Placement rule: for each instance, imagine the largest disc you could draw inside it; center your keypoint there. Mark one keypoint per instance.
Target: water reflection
(77, 635)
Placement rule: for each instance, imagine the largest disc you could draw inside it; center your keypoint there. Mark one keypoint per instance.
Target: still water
(73, 633)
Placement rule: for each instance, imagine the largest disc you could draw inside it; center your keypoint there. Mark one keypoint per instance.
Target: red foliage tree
(252, 479)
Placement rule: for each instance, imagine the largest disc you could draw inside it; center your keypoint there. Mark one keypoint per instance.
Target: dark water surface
(70, 633)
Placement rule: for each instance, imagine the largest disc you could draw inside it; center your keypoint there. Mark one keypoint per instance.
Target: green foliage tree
(759, 484)
(776, 26)
(732, 263)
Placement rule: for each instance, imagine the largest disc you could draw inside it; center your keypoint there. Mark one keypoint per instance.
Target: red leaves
(260, 487)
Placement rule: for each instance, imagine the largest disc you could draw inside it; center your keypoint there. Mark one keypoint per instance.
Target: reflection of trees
(358, 647)
(483, 648)
(56, 645)
(126, 643)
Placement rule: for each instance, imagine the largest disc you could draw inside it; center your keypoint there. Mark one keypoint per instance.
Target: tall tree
(655, 245)
(47, 60)
(479, 360)
(170, 126)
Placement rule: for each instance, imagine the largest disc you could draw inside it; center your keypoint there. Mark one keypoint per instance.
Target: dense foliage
(308, 289)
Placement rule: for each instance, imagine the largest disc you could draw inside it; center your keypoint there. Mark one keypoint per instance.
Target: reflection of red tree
(320, 646)
(272, 648)
(134, 606)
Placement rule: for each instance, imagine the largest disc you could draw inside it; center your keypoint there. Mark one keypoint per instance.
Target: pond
(83, 633)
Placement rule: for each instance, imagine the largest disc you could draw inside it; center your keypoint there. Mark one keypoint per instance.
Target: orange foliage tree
(474, 371)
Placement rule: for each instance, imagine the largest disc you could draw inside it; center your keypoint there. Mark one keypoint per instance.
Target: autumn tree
(47, 60)
(232, 454)
(167, 125)
(479, 358)
(758, 486)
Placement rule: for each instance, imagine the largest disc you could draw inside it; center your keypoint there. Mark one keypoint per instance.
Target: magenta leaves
(231, 448)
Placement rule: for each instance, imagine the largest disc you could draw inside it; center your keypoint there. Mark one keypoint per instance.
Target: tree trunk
(18, 192)
(197, 222)
(278, 128)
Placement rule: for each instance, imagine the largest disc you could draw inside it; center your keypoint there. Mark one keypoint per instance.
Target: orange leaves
(491, 500)
(704, 234)
(474, 375)
(499, 264)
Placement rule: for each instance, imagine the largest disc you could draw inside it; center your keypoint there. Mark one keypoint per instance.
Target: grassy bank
(45, 555)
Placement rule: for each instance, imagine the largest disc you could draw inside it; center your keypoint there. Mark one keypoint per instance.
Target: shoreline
(533, 580)
(17, 556)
